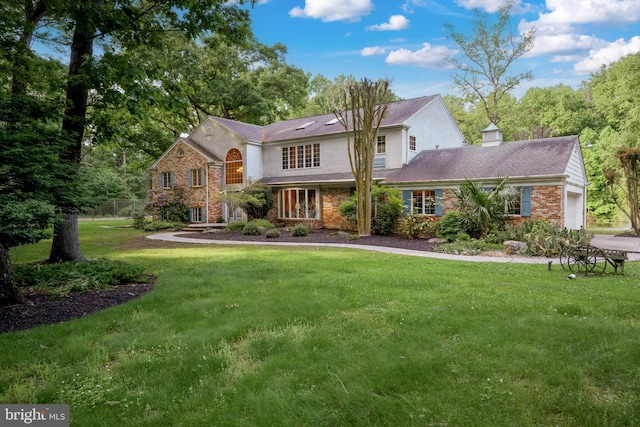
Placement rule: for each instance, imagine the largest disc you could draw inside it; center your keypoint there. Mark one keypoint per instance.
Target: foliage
(159, 225)
(169, 204)
(140, 219)
(544, 238)
(62, 279)
(263, 223)
(252, 229)
(386, 208)
(258, 200)
(483, 209)
(467, 246)
(299, 230)
(272, 233)
(450, 225)
(483, 74)
(236, 225)
(414, 225)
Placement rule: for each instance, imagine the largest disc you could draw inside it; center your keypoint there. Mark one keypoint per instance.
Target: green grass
(245, 336)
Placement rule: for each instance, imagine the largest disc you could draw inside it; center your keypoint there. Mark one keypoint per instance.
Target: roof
(325, 124)
(517, 159)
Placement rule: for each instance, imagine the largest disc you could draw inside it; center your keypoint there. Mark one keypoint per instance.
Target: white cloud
(574, 12)
(373, 50)
(428, 56)
(396, 22)
(333, 10)
(562, 44)
(608, 54)
(490, 6)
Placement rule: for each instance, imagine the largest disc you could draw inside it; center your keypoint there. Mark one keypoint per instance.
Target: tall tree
(363, 106)
(121, 26)
(483, 75)
(614, 90)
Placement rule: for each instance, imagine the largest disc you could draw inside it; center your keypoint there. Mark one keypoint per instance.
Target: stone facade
(332, 198)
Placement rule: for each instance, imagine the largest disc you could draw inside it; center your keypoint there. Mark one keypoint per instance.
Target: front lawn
(246, 336)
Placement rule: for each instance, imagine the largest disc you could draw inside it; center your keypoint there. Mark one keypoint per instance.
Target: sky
(405, 40)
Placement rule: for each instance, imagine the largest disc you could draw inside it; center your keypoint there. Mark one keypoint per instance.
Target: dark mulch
(41, 309)
(320, 236)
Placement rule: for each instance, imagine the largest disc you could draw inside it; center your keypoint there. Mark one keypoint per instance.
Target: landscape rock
(513, 247)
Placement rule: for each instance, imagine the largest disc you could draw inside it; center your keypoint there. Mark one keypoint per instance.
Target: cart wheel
(577, 259)
(564, 255)
(596, 261)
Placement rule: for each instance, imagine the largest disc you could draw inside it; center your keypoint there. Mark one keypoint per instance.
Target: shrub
(140, 219)
(300, 230)
(272, 233)
(159, 225)
(450, 225)
(61, 279)
(252, 229)
(462, 236)
(262, 223)
(257, 201)
(544, 238)
(236, 226)
(386, 215)
(219, 220)
(413, 225)
(468, 247)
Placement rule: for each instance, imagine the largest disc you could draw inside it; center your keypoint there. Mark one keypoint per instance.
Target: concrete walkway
(601, 241)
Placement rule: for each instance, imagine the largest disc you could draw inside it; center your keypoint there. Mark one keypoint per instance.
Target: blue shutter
(189, 214)
(204, 177)
(189, 178)
(439, 201)
(202, 215)
(525, 201)
(406, 201)
(170, 178)
(160, 180)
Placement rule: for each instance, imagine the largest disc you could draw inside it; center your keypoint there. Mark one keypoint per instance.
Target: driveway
(608, 241)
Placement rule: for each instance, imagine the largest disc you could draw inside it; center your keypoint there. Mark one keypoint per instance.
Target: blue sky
(404, 40)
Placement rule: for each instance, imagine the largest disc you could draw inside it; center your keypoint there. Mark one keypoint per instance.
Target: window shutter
(439, 201)
(525, 201)
(203, 177)
(171, 178)
(189, 178)
(406, 201)
(160, 180)
(203, 214)
(189, 215)
(352, 191)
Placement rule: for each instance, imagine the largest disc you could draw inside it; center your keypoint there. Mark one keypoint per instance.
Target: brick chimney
(491, 136)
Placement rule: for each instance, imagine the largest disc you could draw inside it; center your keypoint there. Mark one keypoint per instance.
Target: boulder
(513, 247)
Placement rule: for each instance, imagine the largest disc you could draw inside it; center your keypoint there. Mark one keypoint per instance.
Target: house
(419, 150)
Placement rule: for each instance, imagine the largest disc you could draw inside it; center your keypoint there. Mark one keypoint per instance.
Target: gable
(184, 144)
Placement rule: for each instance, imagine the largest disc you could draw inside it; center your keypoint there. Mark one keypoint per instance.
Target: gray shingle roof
(539, 157)
(328, 177)
(397, 113)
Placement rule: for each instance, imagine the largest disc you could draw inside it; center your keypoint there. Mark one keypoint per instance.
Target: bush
(273, 233)
(252, 229)
(450, 225)
(140, 219)
(159, 225)
(236, 226)
(262, 223)
(468, 247)
(258, 200)
(300, 230)
(544, 238)
(61, 279)
(413, 225)
(462, 236)
(386, 217)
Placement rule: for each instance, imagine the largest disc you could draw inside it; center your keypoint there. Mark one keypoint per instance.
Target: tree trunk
(9, 293)
(66, 243)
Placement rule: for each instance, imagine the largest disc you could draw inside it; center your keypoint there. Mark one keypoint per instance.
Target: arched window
(233, 167)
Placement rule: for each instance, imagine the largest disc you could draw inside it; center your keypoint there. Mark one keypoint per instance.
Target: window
(424, 202)
(166, 179)
(298, 203)
(412, 143)
(301, 156)
(233, 167)
(381, 146)
(180, 153)
(196, 178)
(196, 214)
